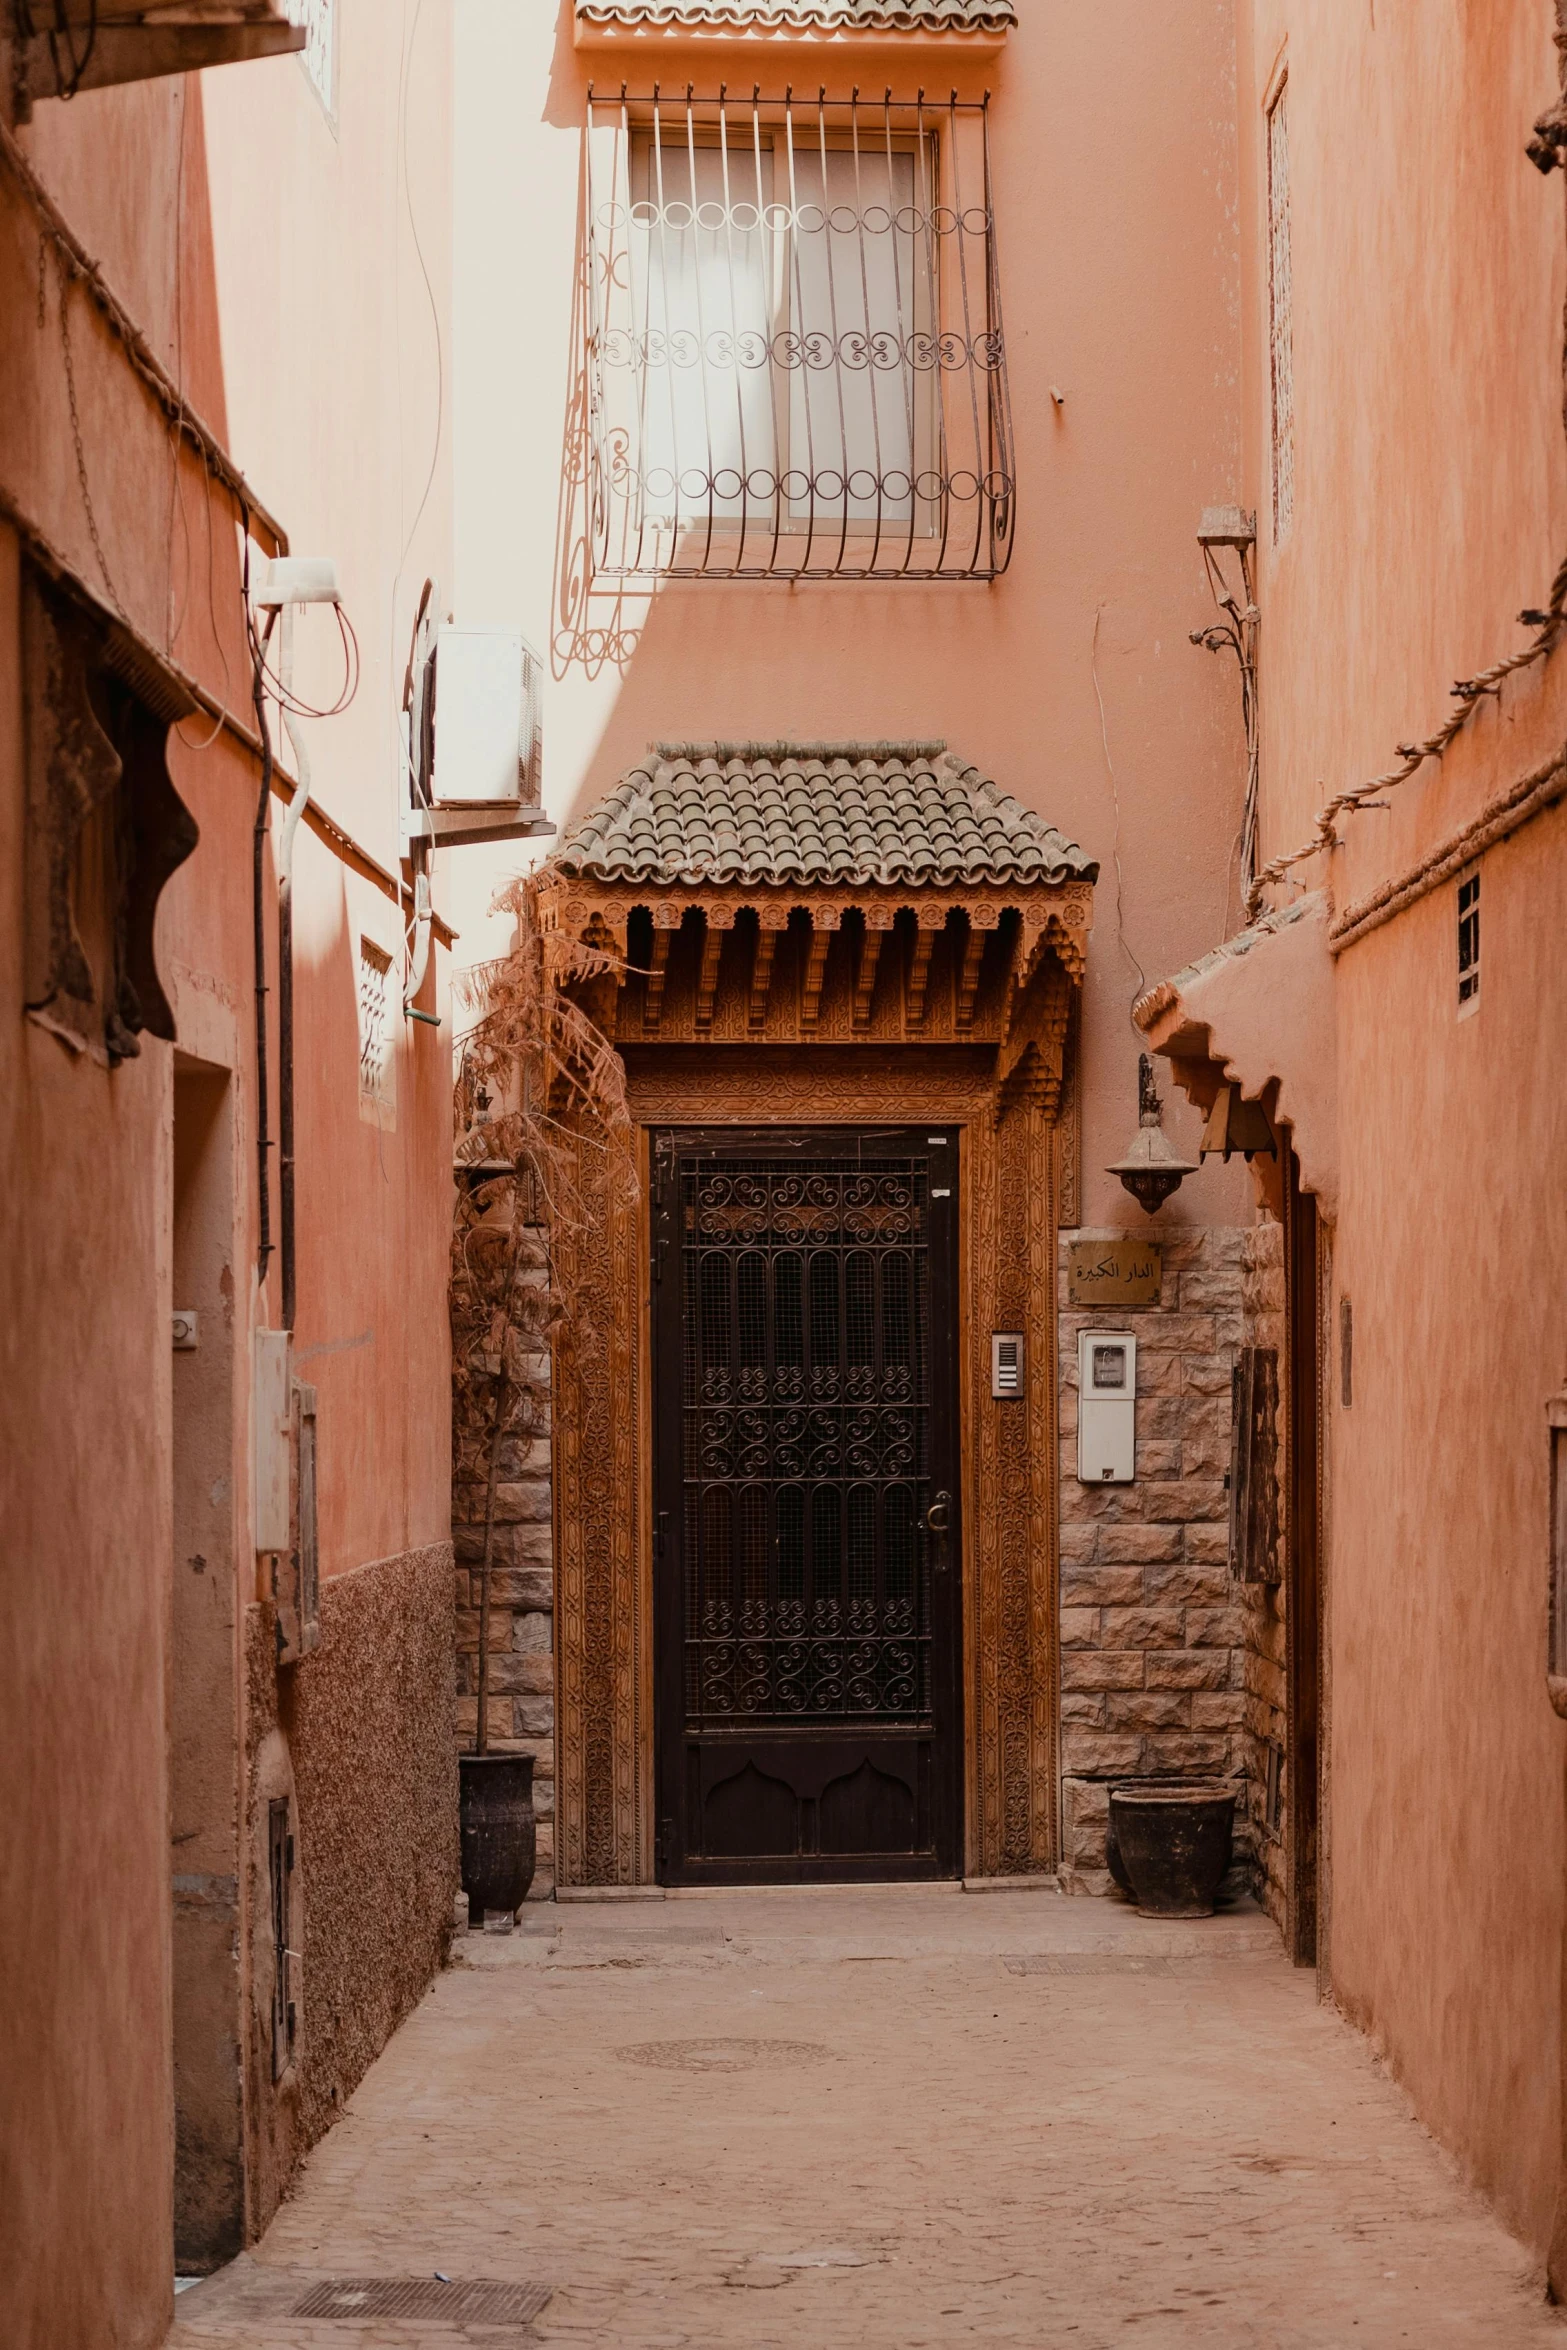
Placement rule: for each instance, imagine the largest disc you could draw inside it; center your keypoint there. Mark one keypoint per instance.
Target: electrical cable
(258, 909)
(61, 31)
(289, 701)
(1115, 794)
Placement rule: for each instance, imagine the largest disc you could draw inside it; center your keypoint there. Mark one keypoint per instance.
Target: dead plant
(539, 1087)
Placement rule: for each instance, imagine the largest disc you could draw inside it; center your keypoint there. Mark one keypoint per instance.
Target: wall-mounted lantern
(1150, 1171)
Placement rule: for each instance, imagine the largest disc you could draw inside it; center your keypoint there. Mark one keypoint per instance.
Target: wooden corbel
(878, 921)
(718, 921)
(771, 923)
(824, 922)
(1032, 1061)
(930, 922)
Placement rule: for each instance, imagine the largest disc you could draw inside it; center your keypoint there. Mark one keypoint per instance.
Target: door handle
(938, 1519)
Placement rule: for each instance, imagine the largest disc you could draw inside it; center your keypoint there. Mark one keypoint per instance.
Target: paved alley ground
(883, 2119)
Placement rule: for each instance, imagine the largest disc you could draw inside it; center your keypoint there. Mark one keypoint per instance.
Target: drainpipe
(285, 1000)
(287, 582)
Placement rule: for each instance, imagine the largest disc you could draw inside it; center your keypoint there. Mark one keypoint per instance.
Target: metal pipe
(258, 911)
(285, 1005)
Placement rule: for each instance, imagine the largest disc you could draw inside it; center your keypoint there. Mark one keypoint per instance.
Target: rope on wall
(1546, 150)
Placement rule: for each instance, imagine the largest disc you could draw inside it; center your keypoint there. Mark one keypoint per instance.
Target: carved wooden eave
(731, 964)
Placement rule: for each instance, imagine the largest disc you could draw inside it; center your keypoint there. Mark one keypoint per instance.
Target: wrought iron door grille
(797, 364)
(806, 1408)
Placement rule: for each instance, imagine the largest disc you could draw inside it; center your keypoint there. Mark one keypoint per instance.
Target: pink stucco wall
(1430, 507)
(268, 257)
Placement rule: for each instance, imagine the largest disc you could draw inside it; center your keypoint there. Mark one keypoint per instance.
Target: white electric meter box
(1106, 1407)
(488, 731)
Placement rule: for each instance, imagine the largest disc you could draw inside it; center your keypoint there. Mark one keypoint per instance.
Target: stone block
(1158, 1462)
(1079, 1543)
(1102, 1587)
(1192, 1668)
(1192, 1498)
(1186, 1334)
(1085, 1805)
(1161, 1418)
(1127, 1628)
(1198, 1757)
(1089, 1754)
(1079, 1627)
(1148, 1709)
(1140, 1545)
(467, 1629)
(525, 1456)
(524, 1588)
(1212, 1291)
(510, 1674)
(1083, 1709)
(1188, 1585)
(1203, 1375)
(1215, 1627)
(1219, 1709)
(535, 1717)
(532, 1632)
(1099, 1668)
(1209, 1545)
(527, 1500)
(1158, 1374)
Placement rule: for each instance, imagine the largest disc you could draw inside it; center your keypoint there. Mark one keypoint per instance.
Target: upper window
(319, 55)
(946, 17)
(1469, 943)
(1280, 314)
(797, 364)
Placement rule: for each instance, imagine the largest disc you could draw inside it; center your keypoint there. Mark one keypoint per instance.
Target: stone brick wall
(1262, 1301)
(1154, 1660)
(522, 1618)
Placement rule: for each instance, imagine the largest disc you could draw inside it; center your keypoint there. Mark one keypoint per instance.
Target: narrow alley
(883, 2118)
(783, 1402)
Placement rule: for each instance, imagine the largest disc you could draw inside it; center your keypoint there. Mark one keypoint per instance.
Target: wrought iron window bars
(797, 363)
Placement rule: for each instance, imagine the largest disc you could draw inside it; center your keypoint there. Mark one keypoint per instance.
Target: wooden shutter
(1254, 1476)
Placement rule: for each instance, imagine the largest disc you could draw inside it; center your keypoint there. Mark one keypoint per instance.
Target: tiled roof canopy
(889, 16)
(828, 813)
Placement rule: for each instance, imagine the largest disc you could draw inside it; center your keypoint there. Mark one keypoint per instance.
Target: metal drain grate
(480, 2300)
(1102, 1963)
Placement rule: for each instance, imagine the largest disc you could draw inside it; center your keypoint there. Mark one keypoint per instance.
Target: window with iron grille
(376, 1067)
(319, 55)
(1280, 314)
(1469, 943)
(797, 366)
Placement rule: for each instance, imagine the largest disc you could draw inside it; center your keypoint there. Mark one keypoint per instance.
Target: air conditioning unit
(475, 736)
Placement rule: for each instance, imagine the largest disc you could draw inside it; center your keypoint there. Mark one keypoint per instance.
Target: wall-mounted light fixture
(1150, 1171)
(1227, 529)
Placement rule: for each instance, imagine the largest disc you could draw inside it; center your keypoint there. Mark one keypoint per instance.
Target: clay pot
(1174, 1844)
(499, 1837)
(1113, 1861)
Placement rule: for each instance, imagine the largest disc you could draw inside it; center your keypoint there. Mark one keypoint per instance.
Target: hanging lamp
(1150, 1171)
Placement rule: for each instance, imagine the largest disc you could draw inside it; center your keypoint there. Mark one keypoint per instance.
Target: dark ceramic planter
(1174, 1844)
(1113, 1861)
(499, 1837)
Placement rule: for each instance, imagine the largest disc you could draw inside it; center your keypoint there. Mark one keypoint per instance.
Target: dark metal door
(806, 1553)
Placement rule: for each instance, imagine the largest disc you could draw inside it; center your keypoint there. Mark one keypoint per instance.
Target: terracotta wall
(268, 258)
(1430, 507)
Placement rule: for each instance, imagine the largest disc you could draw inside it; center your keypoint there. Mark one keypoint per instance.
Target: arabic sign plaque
(1115, 1273)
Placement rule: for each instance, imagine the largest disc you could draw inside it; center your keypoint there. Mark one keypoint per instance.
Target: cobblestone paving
(886, 2118)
